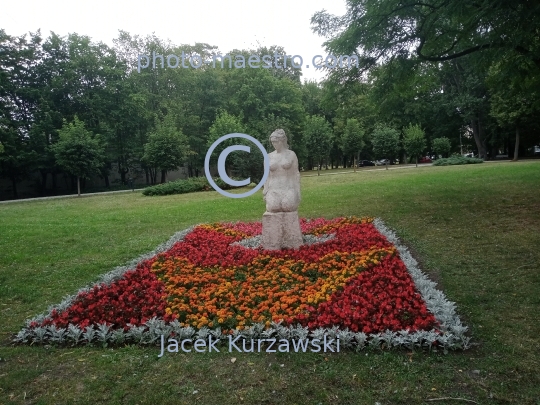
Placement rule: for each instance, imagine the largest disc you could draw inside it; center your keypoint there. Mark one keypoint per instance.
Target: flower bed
(351, 279)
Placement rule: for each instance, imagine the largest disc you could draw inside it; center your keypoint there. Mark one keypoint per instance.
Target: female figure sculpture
(281, 193)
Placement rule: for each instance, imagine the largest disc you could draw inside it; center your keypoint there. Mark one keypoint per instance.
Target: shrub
(184, 186)
(456, 160)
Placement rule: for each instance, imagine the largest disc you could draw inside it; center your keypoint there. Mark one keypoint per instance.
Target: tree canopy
(317, 137)
(167, 148)
(442, 146)
(353, 138)
(414, 141)
(385, 141)
(78, 151)
(465, 71)
(432, 30)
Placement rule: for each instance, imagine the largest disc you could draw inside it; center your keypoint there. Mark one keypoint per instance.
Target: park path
(376, 168)
(65, 196)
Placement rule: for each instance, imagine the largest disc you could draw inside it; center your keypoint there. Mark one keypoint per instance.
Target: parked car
(382, 162)
(425, 159)
(366, 163)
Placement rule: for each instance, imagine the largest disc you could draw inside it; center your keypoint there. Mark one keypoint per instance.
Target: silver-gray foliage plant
(451, 335)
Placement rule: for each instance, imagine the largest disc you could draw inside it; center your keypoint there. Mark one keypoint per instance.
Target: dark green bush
(184, 186)
(456, 160)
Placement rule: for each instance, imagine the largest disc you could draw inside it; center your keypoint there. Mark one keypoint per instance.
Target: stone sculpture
(281, 193)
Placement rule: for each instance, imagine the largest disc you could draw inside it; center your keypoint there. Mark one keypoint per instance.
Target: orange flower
(267, 288)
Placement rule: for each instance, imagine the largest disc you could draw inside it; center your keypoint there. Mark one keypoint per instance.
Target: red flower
(376, 295)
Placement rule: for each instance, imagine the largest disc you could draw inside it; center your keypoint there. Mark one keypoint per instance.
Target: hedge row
(184, 186)
(456, 160)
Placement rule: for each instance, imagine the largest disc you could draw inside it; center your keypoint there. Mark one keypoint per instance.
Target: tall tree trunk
(163, 176)
(483, 153)
(123, 173)
(494, 151)
(354, 164)
(44, 174)
(478, 134)
(386, 164)
(416, 160)
(14, 185)
(78, 186)
(516, 148)
(107, 184)
(147, 176)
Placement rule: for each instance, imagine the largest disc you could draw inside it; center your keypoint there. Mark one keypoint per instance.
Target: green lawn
(475, 229)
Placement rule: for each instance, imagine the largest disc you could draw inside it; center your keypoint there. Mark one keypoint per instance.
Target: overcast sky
(232, 24)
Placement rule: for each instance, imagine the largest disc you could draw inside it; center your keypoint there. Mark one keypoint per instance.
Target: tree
(510, 110)
(312, 93)
(442, 146)
(342, 102)
(515, 98)
(431, 30)
(414, 141)
(385, 142)
(317, 138)
(166, 149)
(84, 78)
(225, 124)
(257, 94)
(193, 96)
(78, 152)
(462, 39)
(19, 94)
(353, 139)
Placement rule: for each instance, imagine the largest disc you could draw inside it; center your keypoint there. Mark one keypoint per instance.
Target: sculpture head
(279, 140)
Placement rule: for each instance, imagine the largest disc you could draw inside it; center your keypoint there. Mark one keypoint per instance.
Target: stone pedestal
(281, 230)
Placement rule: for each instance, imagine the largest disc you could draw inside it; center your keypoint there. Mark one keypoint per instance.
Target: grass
(475, 229)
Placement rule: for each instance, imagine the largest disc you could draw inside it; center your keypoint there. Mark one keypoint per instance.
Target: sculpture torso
(282, 189)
